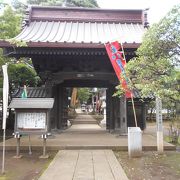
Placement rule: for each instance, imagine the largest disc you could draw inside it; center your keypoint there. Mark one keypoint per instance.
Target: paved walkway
(84, 136)
(84, 123)
(84, 165)
(84, 119)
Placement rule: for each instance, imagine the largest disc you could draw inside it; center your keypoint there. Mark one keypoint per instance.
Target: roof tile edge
(50, 13)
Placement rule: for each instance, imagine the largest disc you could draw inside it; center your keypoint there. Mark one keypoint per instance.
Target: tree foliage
(83, 94)
(155, 70)
(45, 2)
(20, 74)
(76, 3)
(10, 23)
(86, 3)
(20, 7)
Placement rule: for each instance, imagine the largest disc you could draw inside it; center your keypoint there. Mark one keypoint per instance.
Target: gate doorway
(66, 46)
(115, 107)
(86, 108)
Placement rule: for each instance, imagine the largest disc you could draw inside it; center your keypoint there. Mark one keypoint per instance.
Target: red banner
(118, 63)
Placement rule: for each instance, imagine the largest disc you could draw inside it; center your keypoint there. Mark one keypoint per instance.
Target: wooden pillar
(60, 107)
(109, 109)
(65, 108)
(120, 114)
(144, 114)
(130, 114)
(141, 112)
(54, 112)
(49, 94)
(116, 113)
(123, 115)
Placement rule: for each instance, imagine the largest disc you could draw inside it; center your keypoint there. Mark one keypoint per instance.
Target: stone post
(103, 122)
(159, 123)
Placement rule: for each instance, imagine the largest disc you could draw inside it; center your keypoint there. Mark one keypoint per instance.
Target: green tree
(10, 24)
(19, 6)
(77, 3)
(20, 74)
(83, 94)
(9, 27)
(85, 3)
(2, 61)
(155, 70)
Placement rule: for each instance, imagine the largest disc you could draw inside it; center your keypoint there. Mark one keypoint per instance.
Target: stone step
(83, 122)
(80, 147)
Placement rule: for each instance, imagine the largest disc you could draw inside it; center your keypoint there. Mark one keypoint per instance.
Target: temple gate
(66, 46)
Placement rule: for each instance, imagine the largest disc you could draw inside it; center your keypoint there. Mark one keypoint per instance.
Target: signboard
(31, 120)
(32, 115)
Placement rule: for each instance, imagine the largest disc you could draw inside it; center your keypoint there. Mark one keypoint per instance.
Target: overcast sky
(158, 8)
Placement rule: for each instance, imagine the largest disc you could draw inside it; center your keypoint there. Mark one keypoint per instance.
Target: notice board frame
(29, 131)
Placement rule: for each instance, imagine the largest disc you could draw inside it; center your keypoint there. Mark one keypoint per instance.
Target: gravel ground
(151, 166)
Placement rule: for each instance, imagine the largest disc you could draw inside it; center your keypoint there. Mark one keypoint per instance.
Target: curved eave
(6, 44)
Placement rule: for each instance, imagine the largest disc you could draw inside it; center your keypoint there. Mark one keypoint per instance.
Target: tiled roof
(81, 32)
(49, 13)
(42, 103)
(40, 92)
(81, 27)
(137, 94)
(32, 92)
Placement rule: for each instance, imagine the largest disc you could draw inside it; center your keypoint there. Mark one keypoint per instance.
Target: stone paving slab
(84, 127)
(84, 165)
(85, 136)
(85, 139)
(84, 119)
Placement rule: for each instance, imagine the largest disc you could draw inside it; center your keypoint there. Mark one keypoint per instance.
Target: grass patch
(169, 140)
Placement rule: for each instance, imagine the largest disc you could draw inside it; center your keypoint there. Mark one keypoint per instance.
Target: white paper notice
(31, 120)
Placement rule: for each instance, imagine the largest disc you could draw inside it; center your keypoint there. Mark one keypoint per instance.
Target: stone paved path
(84, 123)
(82, 135)
(84, 165)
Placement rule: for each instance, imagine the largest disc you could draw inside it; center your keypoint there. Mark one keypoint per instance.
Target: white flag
(5, 94)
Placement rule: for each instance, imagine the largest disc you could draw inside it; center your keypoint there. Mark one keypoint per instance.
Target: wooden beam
(6, 44)
(87, 83)
(85, 75)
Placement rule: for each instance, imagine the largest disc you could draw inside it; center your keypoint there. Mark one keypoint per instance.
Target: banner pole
(3, 158)
(5, 106)
(132, 99)
(134, 111)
